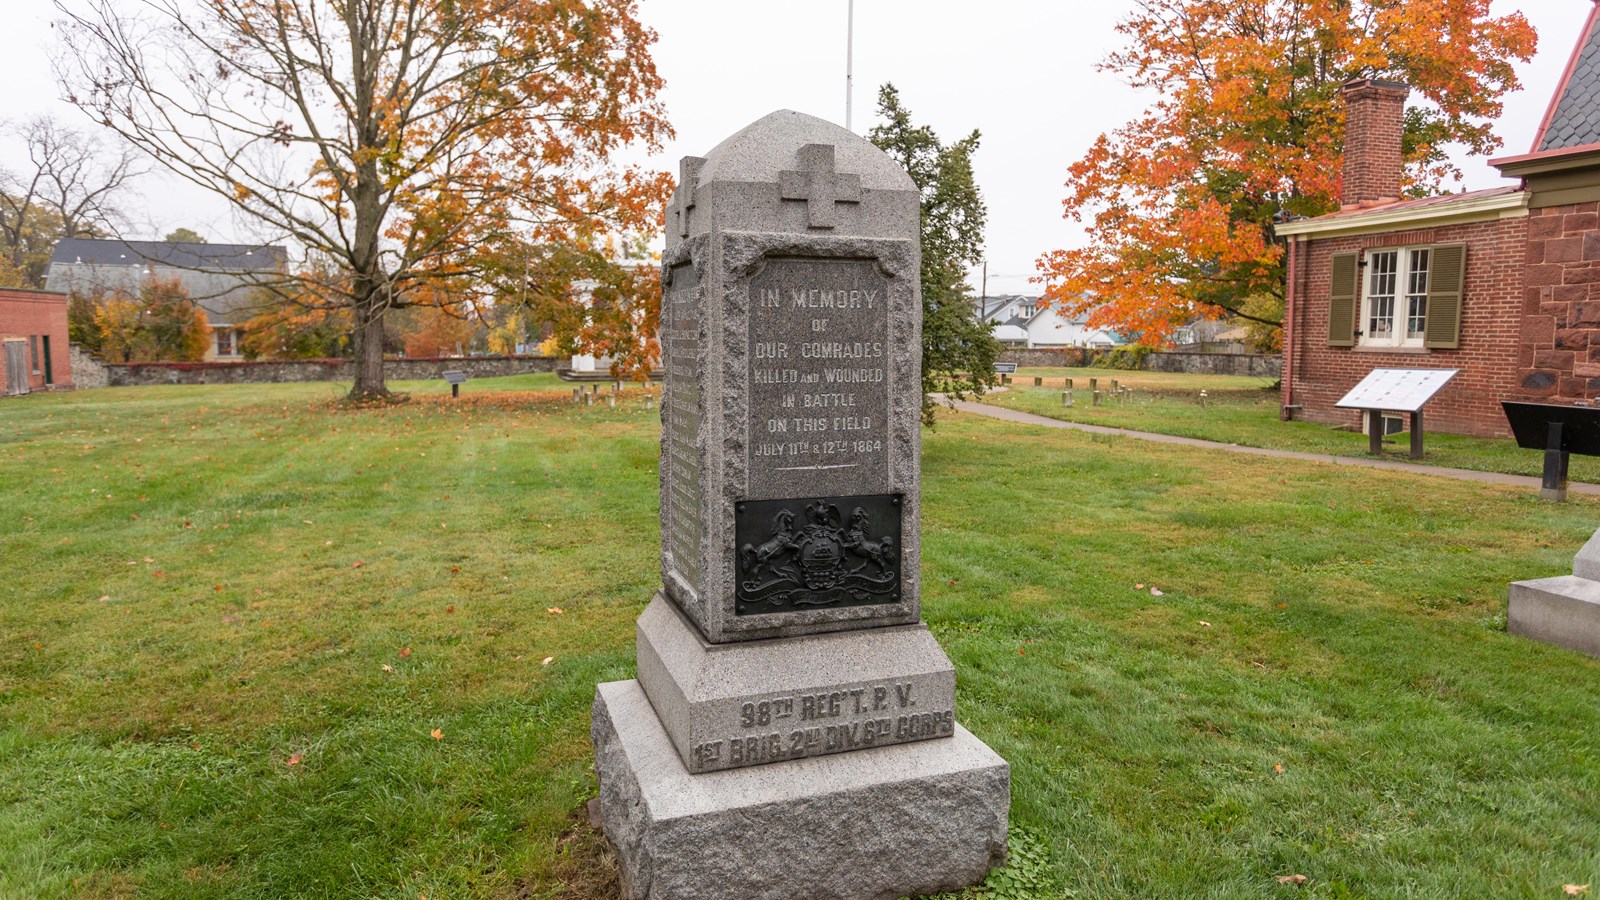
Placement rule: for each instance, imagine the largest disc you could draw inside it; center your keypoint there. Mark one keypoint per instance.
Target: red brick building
(33, 341)
(1502, 284)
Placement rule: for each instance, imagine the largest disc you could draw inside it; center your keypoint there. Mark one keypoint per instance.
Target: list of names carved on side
(681, 345)
(819, 385)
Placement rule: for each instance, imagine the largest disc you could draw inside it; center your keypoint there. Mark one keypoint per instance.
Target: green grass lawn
(258, 646)
(1244, 411)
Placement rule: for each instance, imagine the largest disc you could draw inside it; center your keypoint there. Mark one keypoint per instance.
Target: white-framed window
(1394, 303)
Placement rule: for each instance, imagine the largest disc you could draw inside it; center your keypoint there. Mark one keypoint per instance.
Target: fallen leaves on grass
(1292, 879)
(1157, 592)
(405, 653)
(1204, 624)
(1139, 586)
(388, 668)
(358, 564)
(548, 660)
(437, 734)
(1278, 768)
(555, 610)
(1573, 890)
(293, 760)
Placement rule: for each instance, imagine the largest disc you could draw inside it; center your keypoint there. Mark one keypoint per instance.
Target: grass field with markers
(256, 645)
(1243, 410)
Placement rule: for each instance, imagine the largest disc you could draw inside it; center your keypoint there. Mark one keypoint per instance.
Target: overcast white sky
(1021, 71)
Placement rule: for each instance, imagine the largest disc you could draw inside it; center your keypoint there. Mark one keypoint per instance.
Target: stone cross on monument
(792, 729)
(688, 172)
(819, 185)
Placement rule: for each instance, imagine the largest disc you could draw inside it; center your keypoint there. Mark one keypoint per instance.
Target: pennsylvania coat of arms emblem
(818, 558)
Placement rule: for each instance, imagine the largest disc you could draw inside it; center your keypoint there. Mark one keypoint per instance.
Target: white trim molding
(1447, 212)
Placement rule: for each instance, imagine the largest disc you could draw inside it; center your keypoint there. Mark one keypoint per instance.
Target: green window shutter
(1344, 277)
(1447, 268)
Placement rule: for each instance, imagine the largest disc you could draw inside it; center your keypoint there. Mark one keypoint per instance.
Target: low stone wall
(87, 372)
(286, 371)
(1194, 363)
(1051, 357)
(1257, 365)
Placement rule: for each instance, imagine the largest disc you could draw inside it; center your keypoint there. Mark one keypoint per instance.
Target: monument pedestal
(882, 822)
(1564, 611)
(754, 702)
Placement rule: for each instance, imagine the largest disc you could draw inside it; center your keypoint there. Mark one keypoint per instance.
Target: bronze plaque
(817, 553)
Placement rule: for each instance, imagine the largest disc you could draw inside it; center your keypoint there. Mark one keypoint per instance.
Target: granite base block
(874, 824)
(1564, 611)
(753, 702)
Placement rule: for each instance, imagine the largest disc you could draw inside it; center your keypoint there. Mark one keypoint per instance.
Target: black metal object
(817, 553)
(1557, 430)
(456, 380)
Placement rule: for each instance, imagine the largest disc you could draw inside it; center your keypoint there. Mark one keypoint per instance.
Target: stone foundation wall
(1559, 357)
(288, 371)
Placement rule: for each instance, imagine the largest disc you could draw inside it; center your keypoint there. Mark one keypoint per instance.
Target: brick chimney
(1374, 114)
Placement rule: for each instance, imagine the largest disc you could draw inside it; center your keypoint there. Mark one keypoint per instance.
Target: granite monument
(792, 730)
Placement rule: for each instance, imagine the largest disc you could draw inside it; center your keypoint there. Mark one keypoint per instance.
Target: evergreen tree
(958, 351)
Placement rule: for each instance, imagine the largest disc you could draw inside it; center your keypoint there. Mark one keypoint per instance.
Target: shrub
(1128, 358)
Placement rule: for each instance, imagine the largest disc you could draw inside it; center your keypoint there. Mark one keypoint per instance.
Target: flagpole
(849, 64)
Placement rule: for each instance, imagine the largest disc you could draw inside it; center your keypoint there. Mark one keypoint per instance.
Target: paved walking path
(1025, 418)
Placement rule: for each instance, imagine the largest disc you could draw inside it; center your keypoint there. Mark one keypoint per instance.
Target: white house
(1021, 322)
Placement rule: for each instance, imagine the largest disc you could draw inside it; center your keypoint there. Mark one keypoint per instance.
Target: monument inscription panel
(819, 385)
(795, 725)
(682, 350)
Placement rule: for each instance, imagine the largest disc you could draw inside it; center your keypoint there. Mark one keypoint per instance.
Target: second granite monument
(792, 729)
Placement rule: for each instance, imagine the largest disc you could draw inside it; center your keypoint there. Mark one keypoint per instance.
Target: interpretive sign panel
(1397, 390)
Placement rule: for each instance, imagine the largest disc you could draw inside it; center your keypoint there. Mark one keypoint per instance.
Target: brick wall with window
(39, 320)
(1393, 306)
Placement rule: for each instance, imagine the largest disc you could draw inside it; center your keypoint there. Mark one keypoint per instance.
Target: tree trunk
(367, 343)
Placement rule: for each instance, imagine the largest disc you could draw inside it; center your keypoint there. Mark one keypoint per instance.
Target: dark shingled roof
(214, 257)
(1575, 119)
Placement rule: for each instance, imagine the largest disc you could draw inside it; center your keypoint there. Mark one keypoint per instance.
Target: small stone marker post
(792, 729)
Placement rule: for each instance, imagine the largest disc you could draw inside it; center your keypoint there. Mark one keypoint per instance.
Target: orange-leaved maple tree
(408, 142)
(1247, 128)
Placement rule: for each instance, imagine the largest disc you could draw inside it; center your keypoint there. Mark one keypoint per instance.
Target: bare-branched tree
(72, 187)
(410, 142)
